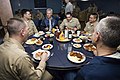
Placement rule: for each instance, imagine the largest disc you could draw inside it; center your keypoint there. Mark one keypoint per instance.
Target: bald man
(15, 64)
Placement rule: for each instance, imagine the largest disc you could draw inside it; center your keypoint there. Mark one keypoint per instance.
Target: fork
(90, 57)
(52, 53)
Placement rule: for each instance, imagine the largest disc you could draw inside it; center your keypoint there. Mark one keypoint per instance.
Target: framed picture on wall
(40, 4)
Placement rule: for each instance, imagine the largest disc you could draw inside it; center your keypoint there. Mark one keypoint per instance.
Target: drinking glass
(69, 48)
(51, 40)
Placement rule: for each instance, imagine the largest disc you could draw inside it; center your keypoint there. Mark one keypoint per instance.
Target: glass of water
(69, 48)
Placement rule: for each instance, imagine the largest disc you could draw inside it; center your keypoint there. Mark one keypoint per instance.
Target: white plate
(77, 40)
(48, 32)
(77, 45)
(74, 35)
(37, 57)
(75, 59)
(89, 47)
(36, 35)
(41, 32)
(47, 46)
(49, 35)
(30, 41)
(83, 37)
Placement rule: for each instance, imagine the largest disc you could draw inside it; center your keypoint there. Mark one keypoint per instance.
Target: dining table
(58, 58)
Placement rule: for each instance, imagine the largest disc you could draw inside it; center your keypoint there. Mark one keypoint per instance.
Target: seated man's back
(101, 68)
(11, 56)
(106, 63)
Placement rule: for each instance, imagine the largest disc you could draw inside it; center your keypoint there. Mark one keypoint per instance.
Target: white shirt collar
(116, 55)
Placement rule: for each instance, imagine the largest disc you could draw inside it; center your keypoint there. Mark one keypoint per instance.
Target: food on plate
(33, 39)
(89, 47)
(76, 45)
(75, 35)
(38, 54)
(76, 57)
(61, 36)
(63, 40)
(47, 46)
(39, 42)
(76, 54)
(77, 40)
(72, 54)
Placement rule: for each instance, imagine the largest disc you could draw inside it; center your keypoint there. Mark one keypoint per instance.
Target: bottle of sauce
(69, 34)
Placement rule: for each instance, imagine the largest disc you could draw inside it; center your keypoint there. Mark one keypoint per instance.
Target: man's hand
(44, 57)
(74, 28)
(56, 27)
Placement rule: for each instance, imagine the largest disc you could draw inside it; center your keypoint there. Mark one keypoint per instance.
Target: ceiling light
(84, 0)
